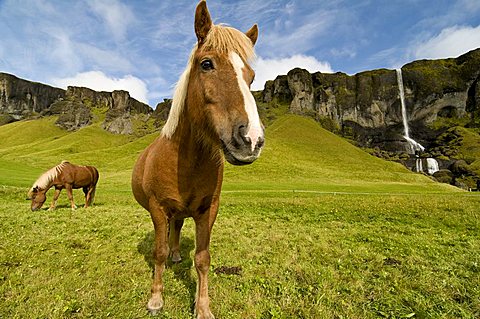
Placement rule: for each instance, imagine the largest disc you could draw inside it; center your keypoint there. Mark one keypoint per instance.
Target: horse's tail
(92, 195)
(96, 176)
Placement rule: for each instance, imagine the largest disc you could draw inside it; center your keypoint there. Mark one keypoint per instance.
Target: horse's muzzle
(242, 153)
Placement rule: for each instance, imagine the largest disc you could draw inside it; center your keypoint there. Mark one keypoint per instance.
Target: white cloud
(269, 69)
(287, 37)
(63, 49)
(117, 16)
(99, 81)
(451, 42)
(107, 60)
(343, 52)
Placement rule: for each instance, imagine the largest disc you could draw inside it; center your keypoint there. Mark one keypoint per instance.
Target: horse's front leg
(68, 187)
(174, 239)
(55, 198)
(160, 255)
(203, 229)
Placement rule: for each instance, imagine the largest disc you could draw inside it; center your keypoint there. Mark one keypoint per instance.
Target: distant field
(316, 228)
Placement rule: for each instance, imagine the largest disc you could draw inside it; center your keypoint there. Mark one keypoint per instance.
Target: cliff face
(367, 105)
(21, 99)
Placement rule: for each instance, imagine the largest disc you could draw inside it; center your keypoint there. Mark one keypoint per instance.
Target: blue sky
(143, 46)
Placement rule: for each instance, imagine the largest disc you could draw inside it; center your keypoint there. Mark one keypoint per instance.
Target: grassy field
(316, 228)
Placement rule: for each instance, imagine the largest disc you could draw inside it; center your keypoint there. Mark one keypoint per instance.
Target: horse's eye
(207, 65)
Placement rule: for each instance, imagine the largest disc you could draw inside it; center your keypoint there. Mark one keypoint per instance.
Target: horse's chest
(188, 206)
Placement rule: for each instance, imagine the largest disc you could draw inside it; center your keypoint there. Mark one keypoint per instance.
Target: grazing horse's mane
(45, 179)
(222, 39)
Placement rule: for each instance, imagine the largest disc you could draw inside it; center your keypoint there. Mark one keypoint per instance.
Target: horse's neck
(193, 146)
(46, 182)
(49, 185)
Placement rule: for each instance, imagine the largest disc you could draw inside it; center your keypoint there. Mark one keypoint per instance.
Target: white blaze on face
(254, 129)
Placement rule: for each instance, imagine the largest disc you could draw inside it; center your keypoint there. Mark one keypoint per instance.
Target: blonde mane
(220, 38)
(46, 178)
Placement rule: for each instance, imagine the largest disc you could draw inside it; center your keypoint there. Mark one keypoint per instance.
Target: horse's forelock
(220, 38)
(225, 39)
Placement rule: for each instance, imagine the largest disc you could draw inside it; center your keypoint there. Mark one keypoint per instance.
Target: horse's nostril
(241, 137)
(242, 130)
(247, 139)
(261, 142)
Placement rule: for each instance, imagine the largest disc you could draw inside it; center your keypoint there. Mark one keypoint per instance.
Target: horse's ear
(31, 192)
(252, 33)
(203, 22)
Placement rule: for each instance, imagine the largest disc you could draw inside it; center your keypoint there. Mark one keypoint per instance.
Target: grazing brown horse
(213, 116)
(68, 176)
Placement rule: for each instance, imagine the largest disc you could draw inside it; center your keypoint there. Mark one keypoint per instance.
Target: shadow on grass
(182, 270)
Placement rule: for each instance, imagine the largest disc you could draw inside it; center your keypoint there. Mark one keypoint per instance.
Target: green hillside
(34, 146)
(299, 155)
(315, 228)
(469, 149)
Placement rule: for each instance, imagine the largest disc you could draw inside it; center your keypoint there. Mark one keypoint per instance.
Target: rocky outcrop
(301, 85)
(21, 99)
(278, 90)
(161, 112)
(122, 109)
(73, 114)
(76, 107)
(366, 106)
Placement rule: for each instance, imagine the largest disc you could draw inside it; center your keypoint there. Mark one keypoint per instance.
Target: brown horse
(180, 174)
(68, 176)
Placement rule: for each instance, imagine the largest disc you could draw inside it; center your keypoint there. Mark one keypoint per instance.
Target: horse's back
(80, 176)
(86, 175)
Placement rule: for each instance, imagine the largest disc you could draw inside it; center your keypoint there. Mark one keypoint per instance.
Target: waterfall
(432, 166)
(413, 145)
(402, 101)
(419, 165)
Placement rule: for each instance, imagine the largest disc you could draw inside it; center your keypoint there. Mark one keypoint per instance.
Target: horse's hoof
(176, 258)
(204, 314)
(154, 306)
(154, 312)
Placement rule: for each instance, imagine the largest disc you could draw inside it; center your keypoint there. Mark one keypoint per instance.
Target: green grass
(470, 148)
(316, 229)
(299, 154)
